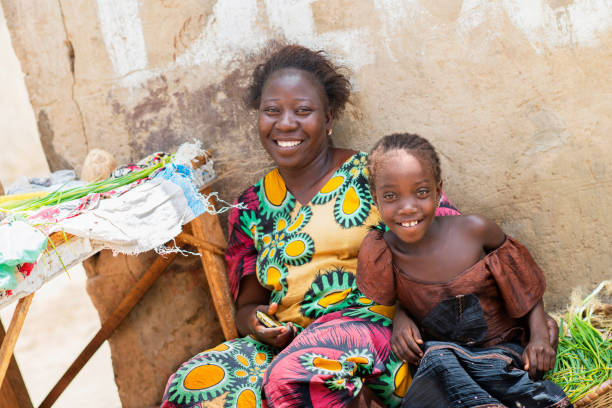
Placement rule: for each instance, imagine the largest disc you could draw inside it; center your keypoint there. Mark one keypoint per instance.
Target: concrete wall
(516, 95)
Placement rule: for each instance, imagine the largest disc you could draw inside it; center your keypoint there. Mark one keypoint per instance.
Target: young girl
(479, 334)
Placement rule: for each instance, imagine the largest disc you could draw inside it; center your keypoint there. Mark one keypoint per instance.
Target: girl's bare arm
(406, 339)
(539, 355)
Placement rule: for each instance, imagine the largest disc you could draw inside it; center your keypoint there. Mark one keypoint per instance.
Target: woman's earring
(329, 132)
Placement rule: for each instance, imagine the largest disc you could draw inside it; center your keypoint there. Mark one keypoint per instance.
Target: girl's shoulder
(374, 249)
(375, 276)
(470, 221)
(475, 224)
(476, 227)
(374, 238)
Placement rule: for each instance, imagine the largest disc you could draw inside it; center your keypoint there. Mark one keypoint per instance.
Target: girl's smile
(410, 224)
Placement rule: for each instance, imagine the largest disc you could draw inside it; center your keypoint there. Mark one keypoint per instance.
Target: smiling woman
(292, 254)
(294, 119)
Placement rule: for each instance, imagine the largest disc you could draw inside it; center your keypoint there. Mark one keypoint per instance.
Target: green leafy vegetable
(584, 355)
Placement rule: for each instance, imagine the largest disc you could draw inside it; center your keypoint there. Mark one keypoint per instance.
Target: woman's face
(406, 195)
(293, 118)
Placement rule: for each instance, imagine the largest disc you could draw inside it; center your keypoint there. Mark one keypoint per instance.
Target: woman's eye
(270, 109)
(304, 110)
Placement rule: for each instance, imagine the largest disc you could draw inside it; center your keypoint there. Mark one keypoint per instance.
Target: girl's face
(293, 118)
(406, 195)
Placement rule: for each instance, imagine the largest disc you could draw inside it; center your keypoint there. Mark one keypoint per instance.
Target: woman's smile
(288, 144)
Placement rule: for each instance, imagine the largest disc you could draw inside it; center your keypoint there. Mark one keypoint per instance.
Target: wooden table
(203, 233)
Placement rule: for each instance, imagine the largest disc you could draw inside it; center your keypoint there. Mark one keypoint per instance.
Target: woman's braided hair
(336, 86)
(410, 143)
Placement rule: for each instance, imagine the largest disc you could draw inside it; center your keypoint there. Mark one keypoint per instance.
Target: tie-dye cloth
(306, 255)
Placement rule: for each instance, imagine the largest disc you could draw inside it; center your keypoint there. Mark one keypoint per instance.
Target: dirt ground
(60, 323)
(62, 318)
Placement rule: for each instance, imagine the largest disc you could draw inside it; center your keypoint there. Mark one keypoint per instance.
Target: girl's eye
(422, 193)
(389, 196)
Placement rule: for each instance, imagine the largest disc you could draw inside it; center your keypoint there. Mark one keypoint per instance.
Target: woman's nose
(286, 121)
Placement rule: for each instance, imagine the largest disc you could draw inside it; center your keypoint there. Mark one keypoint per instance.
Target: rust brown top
(507, 282)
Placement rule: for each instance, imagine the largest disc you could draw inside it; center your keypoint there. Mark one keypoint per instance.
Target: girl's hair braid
(410, 143)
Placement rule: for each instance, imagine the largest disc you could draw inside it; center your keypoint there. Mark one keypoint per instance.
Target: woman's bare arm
(251, 295)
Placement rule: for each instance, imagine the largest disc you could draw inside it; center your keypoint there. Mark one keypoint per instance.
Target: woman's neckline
(329, 177)
(454, 278)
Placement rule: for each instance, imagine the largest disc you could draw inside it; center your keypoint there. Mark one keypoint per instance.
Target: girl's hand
(406, 338)
(274, 336)
(538, 356)
(553, 331)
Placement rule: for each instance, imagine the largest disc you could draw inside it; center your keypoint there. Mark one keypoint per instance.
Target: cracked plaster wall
(515, 94)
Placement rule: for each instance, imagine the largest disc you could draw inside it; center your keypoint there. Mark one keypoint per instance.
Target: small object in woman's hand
(267, 320)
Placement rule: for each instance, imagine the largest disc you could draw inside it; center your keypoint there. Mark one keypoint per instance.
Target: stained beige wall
(516, 95)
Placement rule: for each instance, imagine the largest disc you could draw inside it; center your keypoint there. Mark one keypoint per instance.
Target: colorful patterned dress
(306, 255)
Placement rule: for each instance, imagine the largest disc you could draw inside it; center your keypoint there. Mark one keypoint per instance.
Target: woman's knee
(277, 370)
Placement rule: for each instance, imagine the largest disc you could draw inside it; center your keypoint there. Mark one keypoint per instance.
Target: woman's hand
(406, 338)
(251, 298)
(274, 336)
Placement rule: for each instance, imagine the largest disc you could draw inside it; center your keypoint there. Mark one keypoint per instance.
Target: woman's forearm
(251, 295)
(243, 318)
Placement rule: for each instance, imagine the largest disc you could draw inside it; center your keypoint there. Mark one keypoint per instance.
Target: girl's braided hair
(410, 143)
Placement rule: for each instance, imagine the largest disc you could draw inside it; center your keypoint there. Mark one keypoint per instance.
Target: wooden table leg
(187, 238)
(108, 327)
(13, 392)
(8, 345)
(206, 227)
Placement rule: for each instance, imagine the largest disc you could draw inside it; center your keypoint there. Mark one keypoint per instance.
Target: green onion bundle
(58, 197)
(584, 356)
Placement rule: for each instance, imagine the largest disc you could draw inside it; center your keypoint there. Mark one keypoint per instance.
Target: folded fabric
(143, 218)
